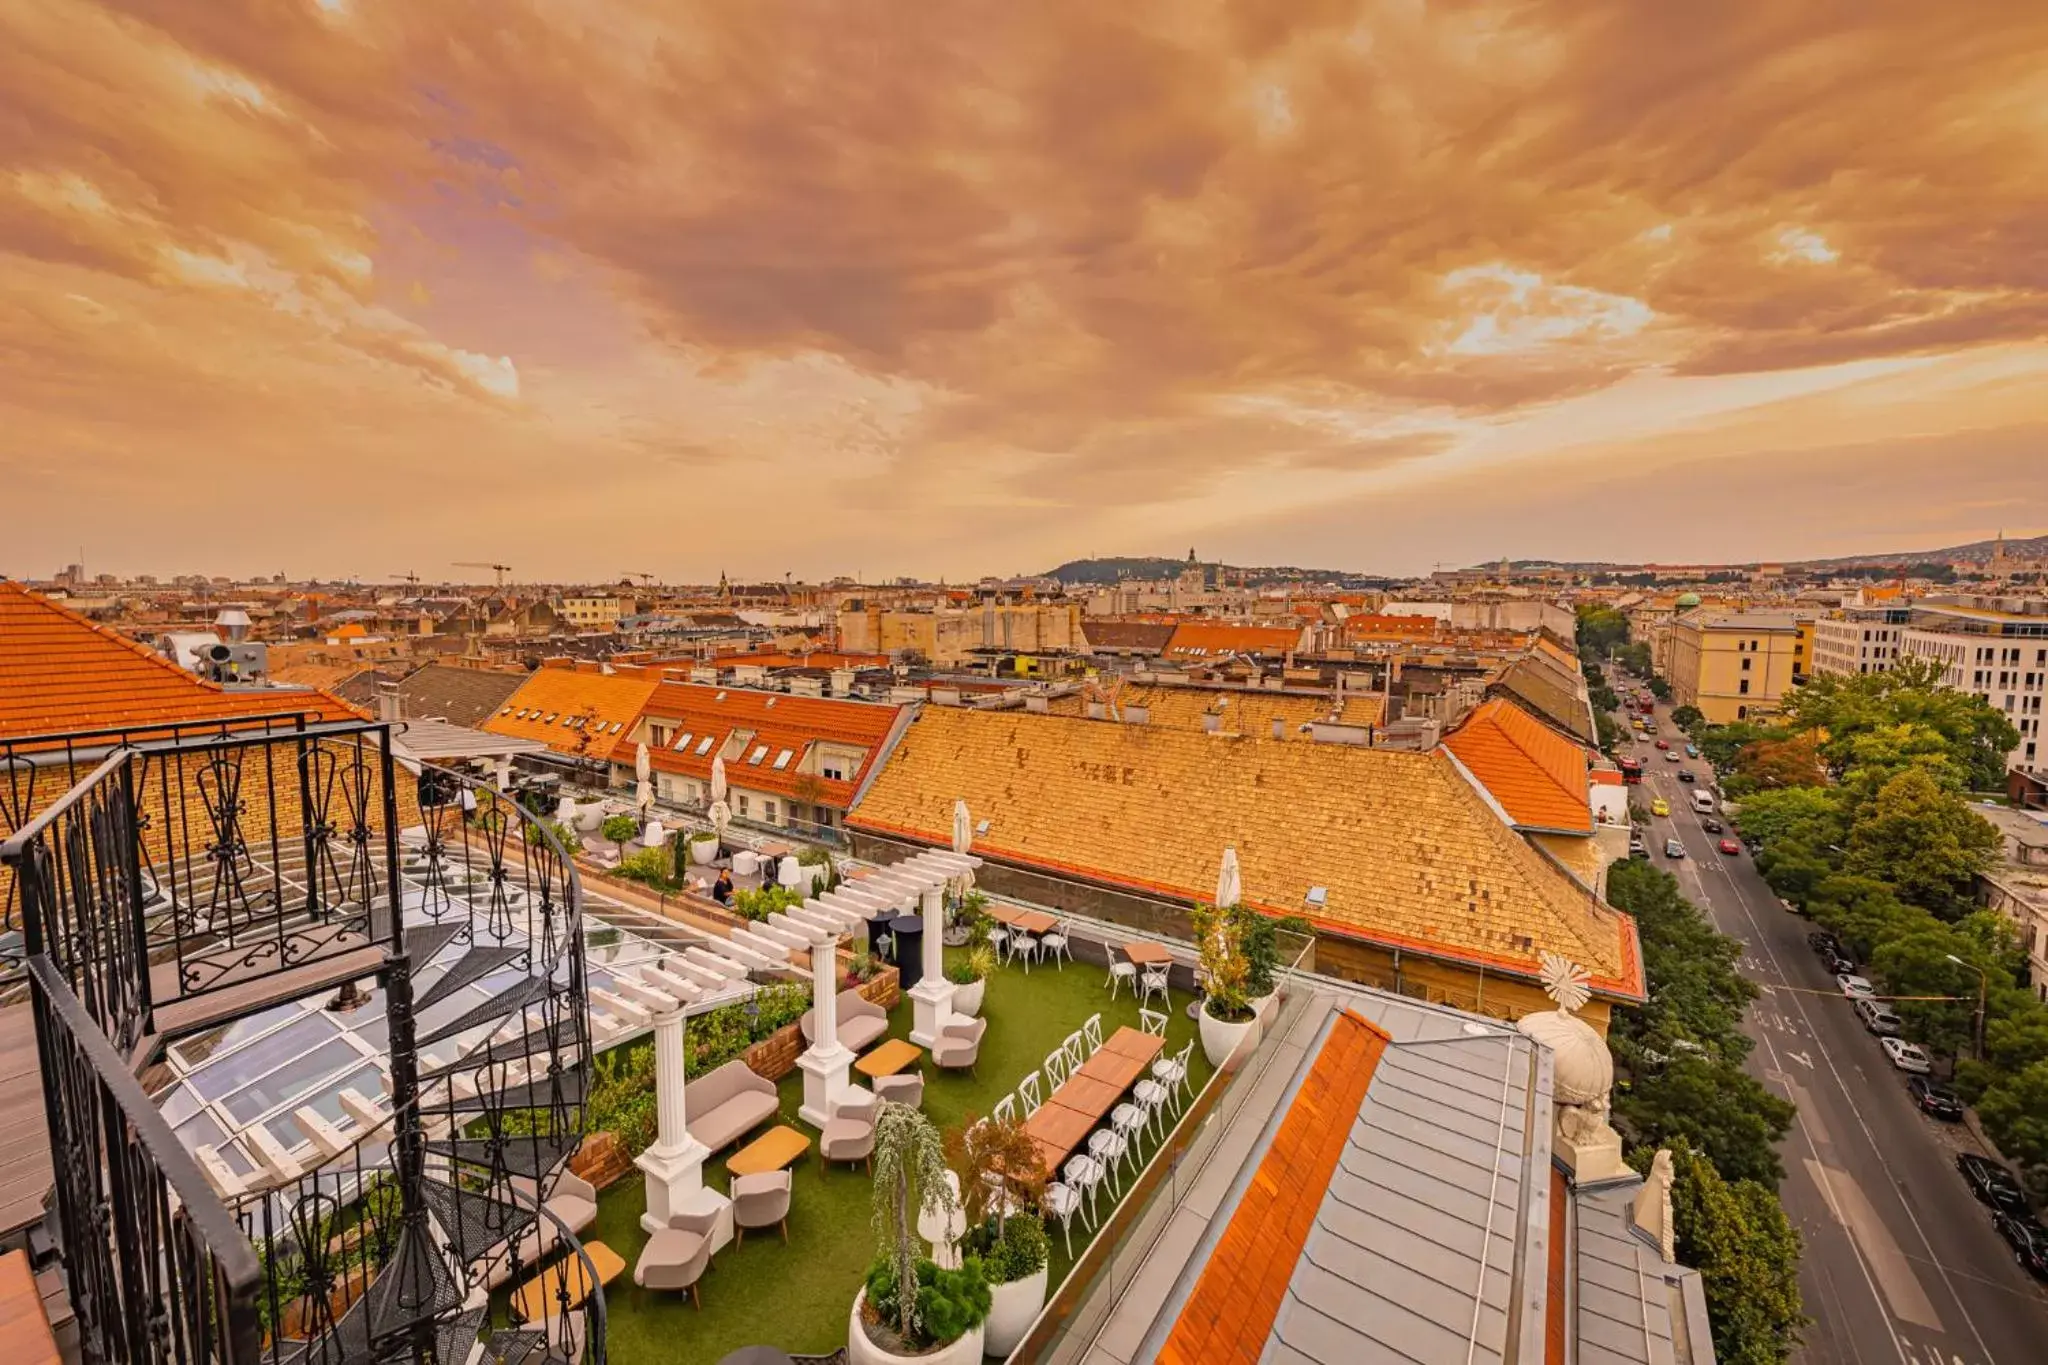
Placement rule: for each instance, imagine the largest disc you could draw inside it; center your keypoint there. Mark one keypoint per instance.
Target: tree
(1716, 1106)
(1793, 868)
(1771, 764)
(1659, 688)
(1911, 693)
(1917, 964)
(621, 830)
(1924, 840)
(2015, 1113)
(1736, 1235)
(1635, 657)
(1600, 630)
(1688, 718)
(1810, 815)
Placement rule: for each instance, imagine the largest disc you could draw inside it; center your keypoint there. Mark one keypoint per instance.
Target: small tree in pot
(620, 830)
(1227, 1015)
(1001, 1185)
(910, 1305)
(969, 972)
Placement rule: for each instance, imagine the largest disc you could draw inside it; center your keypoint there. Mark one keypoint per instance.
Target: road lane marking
(1895, 1277)
(1808, 1114)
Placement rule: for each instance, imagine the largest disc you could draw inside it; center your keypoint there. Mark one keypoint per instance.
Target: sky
(332, 287)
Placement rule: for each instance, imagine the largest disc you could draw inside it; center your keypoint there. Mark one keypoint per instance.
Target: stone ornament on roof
(1583, 1075)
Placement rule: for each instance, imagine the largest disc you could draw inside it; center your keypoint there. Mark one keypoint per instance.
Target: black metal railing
(155, 1268)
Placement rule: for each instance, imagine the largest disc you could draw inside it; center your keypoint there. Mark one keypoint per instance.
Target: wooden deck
(24, 1132)
(22, 1324)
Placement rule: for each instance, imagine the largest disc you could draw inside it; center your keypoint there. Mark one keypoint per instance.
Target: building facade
(1733, 666)
(2000, 657)
(1859, 640)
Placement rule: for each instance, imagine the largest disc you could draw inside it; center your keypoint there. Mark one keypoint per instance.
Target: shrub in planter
(620, 830)
(913, 1303)
(864, 968)
(650, 866)
(1227, 1013)
(947, 1305)
(969, 972)
(1016, 1250)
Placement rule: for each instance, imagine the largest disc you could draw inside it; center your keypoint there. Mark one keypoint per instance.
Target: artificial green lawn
(797, 1297)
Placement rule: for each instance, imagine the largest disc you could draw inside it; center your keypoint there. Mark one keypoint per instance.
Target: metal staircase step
(535, 1094)
(532, 1155)
(517, 1346)
(414, 1286)
(457, 1340)
(534, 1043)
(474, 1223)
(511, 1000)
(473, 965)
(424, 941)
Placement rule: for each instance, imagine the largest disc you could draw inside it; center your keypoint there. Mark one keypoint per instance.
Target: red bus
(1632, 771)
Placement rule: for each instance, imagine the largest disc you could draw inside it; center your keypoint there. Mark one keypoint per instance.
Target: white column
(825, 1062)
(674, 1165)
(932, 997)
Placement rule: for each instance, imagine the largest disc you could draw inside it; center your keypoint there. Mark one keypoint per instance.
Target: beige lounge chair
(861, 1022)
(761, 1201)
(677, 1256)
(959, 1044)
(904, 1088)
(849, 1134)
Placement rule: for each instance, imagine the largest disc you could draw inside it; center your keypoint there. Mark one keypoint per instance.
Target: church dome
(1688, 599)
(1585, 1068)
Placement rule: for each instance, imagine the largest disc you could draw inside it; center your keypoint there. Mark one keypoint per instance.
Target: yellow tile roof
(1410, 852)
(584, 714)
(1241, 710)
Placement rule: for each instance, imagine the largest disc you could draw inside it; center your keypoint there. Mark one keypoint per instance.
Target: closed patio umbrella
(1229, 881)
(644, 796)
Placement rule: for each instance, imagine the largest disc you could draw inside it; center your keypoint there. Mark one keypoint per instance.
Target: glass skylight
(704, 745)
(782, 759)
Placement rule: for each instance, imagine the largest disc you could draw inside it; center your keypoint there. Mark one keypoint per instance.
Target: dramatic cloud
(792, 285)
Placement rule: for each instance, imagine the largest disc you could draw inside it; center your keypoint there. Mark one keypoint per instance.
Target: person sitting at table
(721, 890)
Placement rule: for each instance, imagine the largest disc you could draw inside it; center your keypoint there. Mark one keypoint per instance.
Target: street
(1901, 1262)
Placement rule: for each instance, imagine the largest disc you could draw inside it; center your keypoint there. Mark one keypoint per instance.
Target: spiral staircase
(188, 882)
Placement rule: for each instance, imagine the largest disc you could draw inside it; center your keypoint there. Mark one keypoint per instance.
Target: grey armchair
(850, 1134)
(904, 1088)
(677, 1256)
(761, 1201)
(959, 1044)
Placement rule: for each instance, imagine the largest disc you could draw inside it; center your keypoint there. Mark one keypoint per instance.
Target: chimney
(233, 624)
(389, 705)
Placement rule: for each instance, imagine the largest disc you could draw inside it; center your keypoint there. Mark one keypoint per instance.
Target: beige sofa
(572, 1200)
(723, 1105)
(862, 1023)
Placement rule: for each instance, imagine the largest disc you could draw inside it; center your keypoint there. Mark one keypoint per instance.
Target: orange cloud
(1046, 278)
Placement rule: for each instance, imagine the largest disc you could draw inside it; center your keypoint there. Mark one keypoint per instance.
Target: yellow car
(1660, 807)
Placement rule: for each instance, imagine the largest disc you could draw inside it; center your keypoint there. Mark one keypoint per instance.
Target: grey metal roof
(1420, 1250)
(1630, 1306)
(436, 740)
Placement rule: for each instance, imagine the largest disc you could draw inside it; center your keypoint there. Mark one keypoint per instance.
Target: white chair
(1153, 981)
(1152, 1022)
(1027, 1094)
(1056, 1068)
(1128, 1120)
(1109, 1147)
(999, 939)
(1084, 1176)
(1172, 1072)
(1153, 1098)
(1091, 1033)
(1077, 1052)
(1119, 973)
(1063, 1201)
(1054, 944)
(1025, 946)
(1005, 1110)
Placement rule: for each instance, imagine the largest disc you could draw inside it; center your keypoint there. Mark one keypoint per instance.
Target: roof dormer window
(683, 740)
(760, 752)
(782, 759)
(704, 745)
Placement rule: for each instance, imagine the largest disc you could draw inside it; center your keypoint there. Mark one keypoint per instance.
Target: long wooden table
(1030, 921)
(1064, 1121)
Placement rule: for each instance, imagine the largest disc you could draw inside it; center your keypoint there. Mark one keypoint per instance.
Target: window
(1745, 687)
(617, 726)
(683, 740)
(760, 752)
(743, 803)
(768, 811)
(1745, 664)
(659, 734)
(704, 745)
(782, 759)
(551, 718)
(832, 768)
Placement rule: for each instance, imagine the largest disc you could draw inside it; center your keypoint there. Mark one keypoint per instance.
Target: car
(1673, 756)
(1686, 774)
(2027, 1238)
(1854, 986)
(1991, 1183)
(1839, 963)
(1935, 1098)
(1878, 1018)
(1821, 941)
(1905, 1056)
(1753, 844)
(1711, 825)
(1692, 751)
(1730, 848)
(1638, 851)
(1673, 849)
(1660, 806)
(1664, 744)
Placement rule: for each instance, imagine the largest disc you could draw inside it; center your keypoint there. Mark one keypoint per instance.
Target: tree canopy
(1735, 1233)
(1600, 629)
(1847, 707)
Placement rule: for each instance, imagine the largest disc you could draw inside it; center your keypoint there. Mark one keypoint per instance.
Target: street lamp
(1982, 979)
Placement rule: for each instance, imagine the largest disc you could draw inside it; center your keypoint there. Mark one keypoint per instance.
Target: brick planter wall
(775, 1056)
(602, 1160)
(885, 989)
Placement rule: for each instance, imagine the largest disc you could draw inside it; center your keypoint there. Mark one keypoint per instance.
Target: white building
(1860, 640)
(2000, 656)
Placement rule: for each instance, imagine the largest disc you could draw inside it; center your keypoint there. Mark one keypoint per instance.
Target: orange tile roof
(1229, 1314)
(1408, 851)
(1210, 640)
(778, 722)
(60, 672)
(581, 714)
(1538, 776)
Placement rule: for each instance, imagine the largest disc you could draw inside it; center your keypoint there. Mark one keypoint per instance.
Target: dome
(1688, 599)
(1585, 1068)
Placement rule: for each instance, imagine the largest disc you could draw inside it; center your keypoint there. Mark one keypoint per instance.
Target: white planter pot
(967, 999)
(702, 851)
(1220, 1039)
(861, 1351)
(1012, 1309)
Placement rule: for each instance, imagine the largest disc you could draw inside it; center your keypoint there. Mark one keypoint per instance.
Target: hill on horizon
(1115, 569)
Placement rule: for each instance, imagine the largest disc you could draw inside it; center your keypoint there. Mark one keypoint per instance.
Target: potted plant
(1227, 1015)
(969, 921)
(620, 830)
(1006, 1235)
(911, 1309)
(969, 973)
(863, 968)
(703, 847)
(1258, 939)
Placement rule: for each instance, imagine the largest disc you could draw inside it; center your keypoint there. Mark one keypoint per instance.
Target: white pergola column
(674, 1165)
(932, 997)
(826, 1062)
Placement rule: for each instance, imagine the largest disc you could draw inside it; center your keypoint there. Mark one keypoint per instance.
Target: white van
(1703, 802)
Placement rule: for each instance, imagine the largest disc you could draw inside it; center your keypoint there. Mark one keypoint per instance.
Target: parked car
(1754, 845)
(1664, 744)
(1935, 1098)
(1639, 851)
(1878, 1018)
(1711, 825)
(1692, 751)
(1839, 963)
(1854, 986)
(1821, 941)
(1991, 1183)
(2027, 1238)
(1686, 774)
(1730, 848)
(1673, 849)
(1905, 1056)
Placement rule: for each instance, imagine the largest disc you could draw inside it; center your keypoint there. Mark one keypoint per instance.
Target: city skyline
(1334, 284)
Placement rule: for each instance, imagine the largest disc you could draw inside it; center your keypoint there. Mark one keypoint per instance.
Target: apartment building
(1734, 665)
(596, 613)
(1859, 640)
(1997, 655)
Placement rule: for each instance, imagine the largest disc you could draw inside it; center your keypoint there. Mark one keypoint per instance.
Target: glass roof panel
(236, 1069)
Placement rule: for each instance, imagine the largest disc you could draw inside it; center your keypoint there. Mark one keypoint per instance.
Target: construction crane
(635, 573)
(499, 569)
(408, 577)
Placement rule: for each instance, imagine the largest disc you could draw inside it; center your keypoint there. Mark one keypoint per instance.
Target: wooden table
(1028, 921)
(1133, 1042)
(772, 1151)
(1056, 1131)
(888, 1059)
(1145, 953)
(538, 1297)
(1090, 1095)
